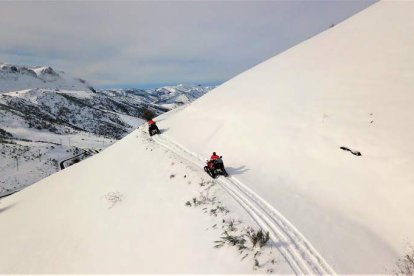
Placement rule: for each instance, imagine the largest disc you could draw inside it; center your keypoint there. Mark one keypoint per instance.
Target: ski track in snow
(301, 256)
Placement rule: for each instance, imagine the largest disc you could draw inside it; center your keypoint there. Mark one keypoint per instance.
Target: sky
(144, 44)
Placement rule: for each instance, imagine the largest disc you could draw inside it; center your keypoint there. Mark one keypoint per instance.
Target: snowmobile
(215, 168)
(153, 129)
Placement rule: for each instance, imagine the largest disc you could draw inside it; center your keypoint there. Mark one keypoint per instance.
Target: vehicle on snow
(153, 129)
(215, 167)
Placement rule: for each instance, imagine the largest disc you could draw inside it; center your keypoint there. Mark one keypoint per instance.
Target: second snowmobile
(152, 128)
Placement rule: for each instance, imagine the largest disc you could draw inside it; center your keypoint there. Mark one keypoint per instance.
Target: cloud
(118, 43)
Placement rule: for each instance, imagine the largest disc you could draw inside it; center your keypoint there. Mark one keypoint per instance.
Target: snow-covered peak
(167, 97)
(17, 77)
(46, 73)
(172, 96)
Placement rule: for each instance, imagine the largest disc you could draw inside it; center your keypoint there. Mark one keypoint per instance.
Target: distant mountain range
(41, 107)
(17, 77)
(49, 100)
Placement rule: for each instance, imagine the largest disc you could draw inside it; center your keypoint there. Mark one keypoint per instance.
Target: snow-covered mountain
(16, 77)
(323, 133)
(64, 118)
(174, 96)
(317, 143)
(163, 98)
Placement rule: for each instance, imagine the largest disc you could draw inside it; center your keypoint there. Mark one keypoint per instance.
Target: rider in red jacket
(214, 156)
(152, 126)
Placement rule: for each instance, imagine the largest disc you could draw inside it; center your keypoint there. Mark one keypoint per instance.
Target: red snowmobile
(215, 167)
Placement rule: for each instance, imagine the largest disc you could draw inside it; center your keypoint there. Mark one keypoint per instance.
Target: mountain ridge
(60, 123)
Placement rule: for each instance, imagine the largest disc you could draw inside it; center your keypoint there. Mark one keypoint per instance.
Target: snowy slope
(122, 211)
(280, 126)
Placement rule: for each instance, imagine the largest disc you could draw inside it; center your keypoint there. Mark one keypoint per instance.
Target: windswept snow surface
(280, 126)
(122, 211)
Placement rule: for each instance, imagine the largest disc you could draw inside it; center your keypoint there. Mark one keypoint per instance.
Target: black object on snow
(357, 153)
(153, 129)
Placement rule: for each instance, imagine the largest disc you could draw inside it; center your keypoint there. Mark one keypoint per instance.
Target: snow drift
(283, 123)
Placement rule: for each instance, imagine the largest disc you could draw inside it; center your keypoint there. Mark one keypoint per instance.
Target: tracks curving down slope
(299, 253)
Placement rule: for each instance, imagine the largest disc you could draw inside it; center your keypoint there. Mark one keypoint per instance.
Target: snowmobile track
(302, 257)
